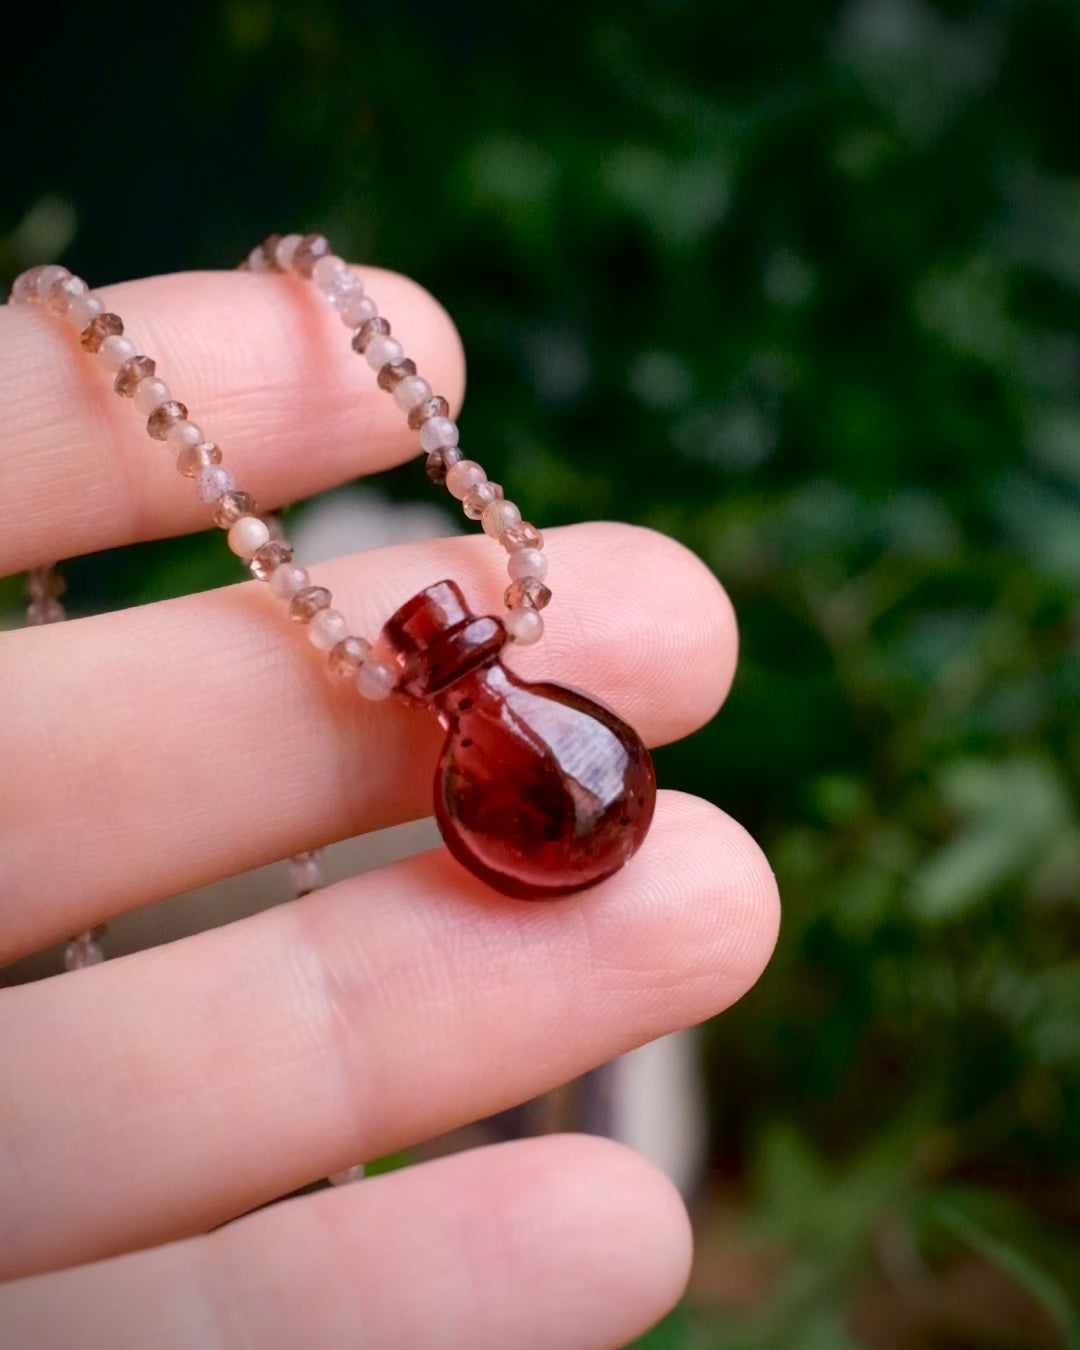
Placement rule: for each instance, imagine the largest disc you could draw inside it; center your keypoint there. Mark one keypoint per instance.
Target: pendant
(539, 790)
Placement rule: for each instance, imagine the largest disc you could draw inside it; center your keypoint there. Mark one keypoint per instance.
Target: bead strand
(250, 536)
(310, 257)
(44, 587)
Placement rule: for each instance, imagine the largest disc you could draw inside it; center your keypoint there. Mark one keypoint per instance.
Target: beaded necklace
(539, 790)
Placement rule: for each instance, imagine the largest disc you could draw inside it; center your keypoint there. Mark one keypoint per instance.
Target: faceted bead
(349, 655)
(214, 482)
(528, 593)
(479, 498)
(327, 628)
(232, 505)
(411, 392)
(527, 562)
(438, 432)
(391, 374)
(355, 307)
(63, 292)
(524, 626)
(130, 374)
(370, 328)
(47, 279)
(100, 327)
(150, 394)
(247, 535)
(288, 579)
(462, 476)
(193, 459)
(376, 680)
(540, 791)
(162, 418)
(283, 254)
(498, 517)
(436, 406)
(308, 252)
(307, 602)
(24, 287)
(82, 309)
(440, 462)
(266, 560)
(114, 351)
(519, 536)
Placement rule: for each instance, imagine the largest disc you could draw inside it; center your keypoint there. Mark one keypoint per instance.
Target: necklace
(539, 790)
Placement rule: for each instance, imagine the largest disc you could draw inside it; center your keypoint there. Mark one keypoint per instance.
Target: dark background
(798, 283)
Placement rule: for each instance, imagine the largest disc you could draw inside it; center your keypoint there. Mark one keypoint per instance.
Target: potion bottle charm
(539, 790)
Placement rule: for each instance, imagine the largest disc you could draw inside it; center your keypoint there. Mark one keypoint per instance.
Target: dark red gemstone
(539, 790)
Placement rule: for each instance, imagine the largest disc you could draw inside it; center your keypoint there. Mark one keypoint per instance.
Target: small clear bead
(327, 629)
(462, 476)
(523, 535)
(328, 273)
(288, 579)
(83, 951)
(498, 517)
(347, 1175)
(64, 292)
(151, 393)
(438, 432)
(527, 562)
(307, 253)
(193, 459)
(247, 535)
(349, 655)
(370, 328)
(355, 307)
(161, 420)
(99, 329)
(257, 259)
(440, 462)
(114, 351)
(306, 873)
(182, 435)
(528, 593)
(231, 505)
(435, 406)
(82, 309)
(479, 498)
(523, 626)
(47, 279)
(376, 680)
(131, 374)
(266, 560)
(307, 602)
(412, 390)
(24, 287)
(214, 482)
(286, 247)
(381, 349)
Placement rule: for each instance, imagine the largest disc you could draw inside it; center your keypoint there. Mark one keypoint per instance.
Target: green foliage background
(798, 283)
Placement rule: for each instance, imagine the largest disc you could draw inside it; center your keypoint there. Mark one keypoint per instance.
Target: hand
(148, 1100)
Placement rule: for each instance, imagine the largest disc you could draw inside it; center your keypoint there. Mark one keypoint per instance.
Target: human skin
(149, 1100)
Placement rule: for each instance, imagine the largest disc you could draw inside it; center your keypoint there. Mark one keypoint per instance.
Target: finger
(562, 1241)
(169, 745)
(167, 1091)
(264, 367)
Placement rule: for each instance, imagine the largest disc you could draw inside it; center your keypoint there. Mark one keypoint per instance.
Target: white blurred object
(354, 520)
(658, 1105)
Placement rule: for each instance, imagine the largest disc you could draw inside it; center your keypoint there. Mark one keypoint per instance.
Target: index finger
(265, 368)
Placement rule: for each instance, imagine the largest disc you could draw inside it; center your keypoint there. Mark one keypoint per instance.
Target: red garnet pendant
(539, 790)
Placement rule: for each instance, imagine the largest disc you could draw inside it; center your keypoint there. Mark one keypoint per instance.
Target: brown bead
(436, 406)
(528, 593)
(194, 458)
(348, 656)
(230, 506)
(306, 604)
(269, 252)
(163, 417)
(367, 331)
(478, 497)
(44, 583)
(44, 611)
(521, 535)
(98, 329)
(439, 461)
(308, 252)
(131, 372)
(391, 375)
(266, 560)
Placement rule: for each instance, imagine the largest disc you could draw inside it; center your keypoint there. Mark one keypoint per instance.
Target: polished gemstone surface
(539, 790)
